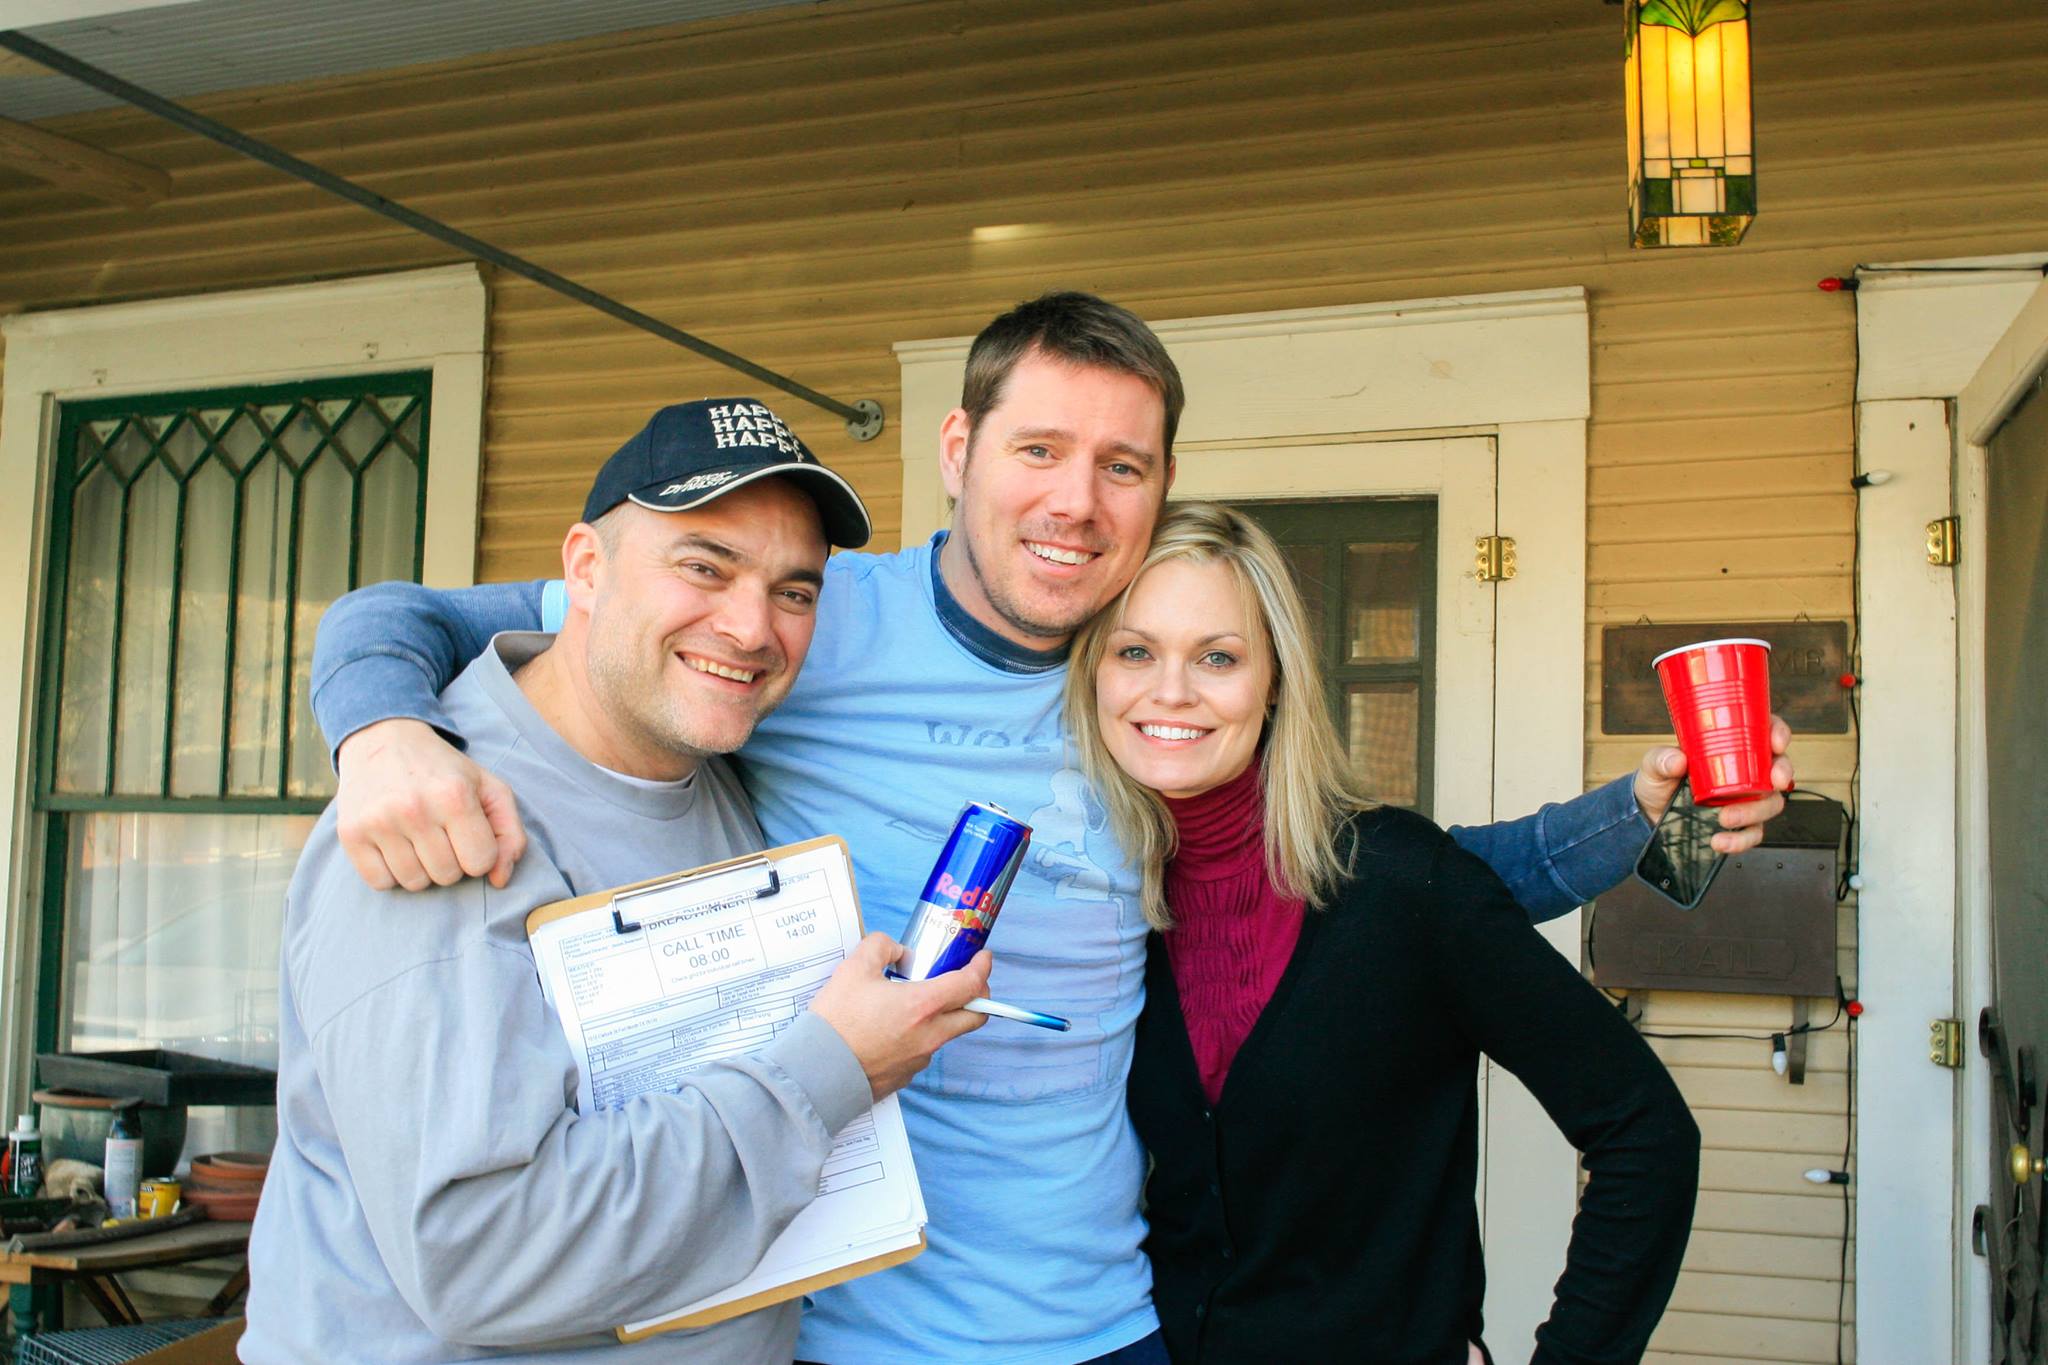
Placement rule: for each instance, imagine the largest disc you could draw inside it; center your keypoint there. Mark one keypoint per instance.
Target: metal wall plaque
(1765, 927)
(1808, 659)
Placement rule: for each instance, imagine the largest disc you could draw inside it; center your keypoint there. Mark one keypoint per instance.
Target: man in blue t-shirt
(934, 679)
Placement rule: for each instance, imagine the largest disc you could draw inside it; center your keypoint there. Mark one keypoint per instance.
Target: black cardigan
(1324, 1210)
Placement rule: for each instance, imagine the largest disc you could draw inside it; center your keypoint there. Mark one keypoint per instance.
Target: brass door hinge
(1944, 541)
(1945, 1042)
(1496, 558)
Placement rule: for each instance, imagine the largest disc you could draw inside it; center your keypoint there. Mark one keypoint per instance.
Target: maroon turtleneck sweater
(1233, 931)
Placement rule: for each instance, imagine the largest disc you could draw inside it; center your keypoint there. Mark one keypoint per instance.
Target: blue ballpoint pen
(996, 1009)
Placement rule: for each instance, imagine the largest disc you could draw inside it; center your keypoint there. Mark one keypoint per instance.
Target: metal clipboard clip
(757, 876)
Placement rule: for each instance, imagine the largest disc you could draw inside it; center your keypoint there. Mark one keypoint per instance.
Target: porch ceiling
(203, 46)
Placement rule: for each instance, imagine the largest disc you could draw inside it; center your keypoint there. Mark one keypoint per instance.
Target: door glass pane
(298, 435)
(84, 721)
(185, 445)
(239, 435)
(389, 492)
(202, 686)
(145, 636)
(1382, 735)
(129, 447)
(173, 940)
(1383, 602)
(257, 734)
(327, 506)
(1306, 563)
(174, 930)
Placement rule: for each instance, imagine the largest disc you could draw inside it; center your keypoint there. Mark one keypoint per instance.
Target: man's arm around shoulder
(416, 812)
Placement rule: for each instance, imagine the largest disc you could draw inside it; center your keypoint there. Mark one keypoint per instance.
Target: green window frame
(1323, 542)
(283, 458)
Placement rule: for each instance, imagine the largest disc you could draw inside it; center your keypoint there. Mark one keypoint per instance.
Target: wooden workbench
(94, 1267)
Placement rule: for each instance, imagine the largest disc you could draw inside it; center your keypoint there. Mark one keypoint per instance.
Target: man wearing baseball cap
(433, 1192)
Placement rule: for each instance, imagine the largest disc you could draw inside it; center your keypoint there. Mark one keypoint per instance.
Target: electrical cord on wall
(1852, 860)
(1848, 1131)
(1846, 1013)
(1844, 1008)
(1852, 664)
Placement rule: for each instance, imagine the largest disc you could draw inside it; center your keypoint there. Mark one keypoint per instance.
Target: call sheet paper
(715, 969)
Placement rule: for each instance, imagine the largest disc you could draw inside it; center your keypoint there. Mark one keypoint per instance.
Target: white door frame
(432, 319)
(1971, 339)
(1516, 367)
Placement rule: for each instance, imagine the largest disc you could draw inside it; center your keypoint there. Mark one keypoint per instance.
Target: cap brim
(844, 515)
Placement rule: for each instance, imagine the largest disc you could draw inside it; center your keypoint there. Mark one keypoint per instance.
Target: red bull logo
(972, 910)
(964, 892)
(974, 921)
(967, 897)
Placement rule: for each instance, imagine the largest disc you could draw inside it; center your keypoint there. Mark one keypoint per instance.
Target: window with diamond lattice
(195, 540)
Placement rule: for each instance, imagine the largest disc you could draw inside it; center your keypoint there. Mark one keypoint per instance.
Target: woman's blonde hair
(1310, 790)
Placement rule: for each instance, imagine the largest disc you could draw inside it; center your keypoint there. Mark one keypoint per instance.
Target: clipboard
(589, 951)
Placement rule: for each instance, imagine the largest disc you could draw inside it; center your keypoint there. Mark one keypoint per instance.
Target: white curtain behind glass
(174, 943)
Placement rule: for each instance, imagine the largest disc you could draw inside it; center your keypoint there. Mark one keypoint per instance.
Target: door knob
(2025, 1165)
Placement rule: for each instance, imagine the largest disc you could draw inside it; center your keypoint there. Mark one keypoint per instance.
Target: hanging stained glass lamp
(1692, 156)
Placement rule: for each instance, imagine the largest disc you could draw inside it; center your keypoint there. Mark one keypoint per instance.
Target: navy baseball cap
(690, 453)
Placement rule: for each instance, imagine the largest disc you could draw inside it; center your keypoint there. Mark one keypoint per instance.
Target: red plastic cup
(1719, 693)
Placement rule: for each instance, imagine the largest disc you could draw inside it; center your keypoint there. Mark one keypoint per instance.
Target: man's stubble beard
(634, 697)
(1013, 613)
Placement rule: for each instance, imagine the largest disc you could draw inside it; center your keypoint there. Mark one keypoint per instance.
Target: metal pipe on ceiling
(863, 418)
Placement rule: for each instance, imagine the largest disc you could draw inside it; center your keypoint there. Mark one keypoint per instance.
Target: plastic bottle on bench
(25, 1157)
(123, 1166)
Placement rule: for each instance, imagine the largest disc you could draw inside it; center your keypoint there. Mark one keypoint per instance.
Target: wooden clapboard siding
(804, 186)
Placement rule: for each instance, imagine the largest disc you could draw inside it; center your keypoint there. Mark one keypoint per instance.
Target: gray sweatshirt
(434, 1195)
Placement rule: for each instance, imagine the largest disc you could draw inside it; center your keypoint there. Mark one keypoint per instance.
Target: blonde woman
(1325, 975)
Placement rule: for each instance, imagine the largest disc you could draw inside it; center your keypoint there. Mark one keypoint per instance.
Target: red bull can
(965, 891)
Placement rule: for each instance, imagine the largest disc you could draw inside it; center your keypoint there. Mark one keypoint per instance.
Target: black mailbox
(1765, 927)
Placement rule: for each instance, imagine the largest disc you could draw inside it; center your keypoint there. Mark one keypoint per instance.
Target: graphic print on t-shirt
(1065, 905)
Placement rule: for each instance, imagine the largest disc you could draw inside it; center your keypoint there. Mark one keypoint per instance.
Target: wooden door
(2013, 1029)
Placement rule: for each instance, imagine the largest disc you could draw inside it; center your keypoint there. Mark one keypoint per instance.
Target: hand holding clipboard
(654, 980)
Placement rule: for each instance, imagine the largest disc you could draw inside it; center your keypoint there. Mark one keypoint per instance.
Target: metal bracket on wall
(1632, 1008)
(1495, 561)
(1944, 541)
(1795, 1042)
(1945, 1042)
(867, 426)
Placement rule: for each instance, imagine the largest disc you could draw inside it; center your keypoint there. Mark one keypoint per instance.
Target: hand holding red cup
(1719, 696)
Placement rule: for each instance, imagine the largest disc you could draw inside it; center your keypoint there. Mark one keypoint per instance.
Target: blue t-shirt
(1030, 1167)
